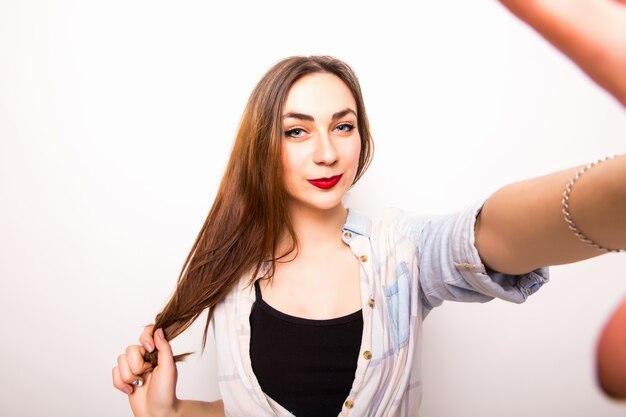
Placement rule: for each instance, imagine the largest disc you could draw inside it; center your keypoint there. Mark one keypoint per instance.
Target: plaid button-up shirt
(409, 264)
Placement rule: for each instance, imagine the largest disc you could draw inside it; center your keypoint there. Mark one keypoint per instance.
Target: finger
(119, 384)
(165, 356)
(126, 374)
(134, 357)
(146, 339)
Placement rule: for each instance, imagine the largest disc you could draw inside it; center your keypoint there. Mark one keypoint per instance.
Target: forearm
(191, 408)
(592, 33)
(521, 226)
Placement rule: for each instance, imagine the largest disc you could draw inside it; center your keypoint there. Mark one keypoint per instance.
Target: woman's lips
(326, 183)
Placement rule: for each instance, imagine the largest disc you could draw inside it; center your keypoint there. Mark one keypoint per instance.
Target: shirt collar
(357, 223)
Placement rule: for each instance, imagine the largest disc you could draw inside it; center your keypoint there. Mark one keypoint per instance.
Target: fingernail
(160, 334)
(148, 346)
(128, 390)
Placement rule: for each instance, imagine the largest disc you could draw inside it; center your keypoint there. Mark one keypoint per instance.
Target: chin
(326, 205)
(329, 207)
(318, 204)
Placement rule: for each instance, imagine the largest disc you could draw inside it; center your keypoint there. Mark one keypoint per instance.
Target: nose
(325, 151)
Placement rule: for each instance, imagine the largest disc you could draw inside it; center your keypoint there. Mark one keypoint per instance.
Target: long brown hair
(249, 213)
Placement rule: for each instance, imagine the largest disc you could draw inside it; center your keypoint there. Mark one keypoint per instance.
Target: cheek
(290, 163)
(354, 153)
(286, 160)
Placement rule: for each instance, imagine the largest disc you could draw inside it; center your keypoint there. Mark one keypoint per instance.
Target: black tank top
(305, 365)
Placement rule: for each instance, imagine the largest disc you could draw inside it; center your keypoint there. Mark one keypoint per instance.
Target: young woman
(316, 309)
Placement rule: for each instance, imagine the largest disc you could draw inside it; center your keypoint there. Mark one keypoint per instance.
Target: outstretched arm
(592, 33)
(521, 226)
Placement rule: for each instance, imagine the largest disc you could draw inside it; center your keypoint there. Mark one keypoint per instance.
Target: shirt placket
(361, 248)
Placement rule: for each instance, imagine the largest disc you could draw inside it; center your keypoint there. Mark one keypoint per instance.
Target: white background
(116, 120)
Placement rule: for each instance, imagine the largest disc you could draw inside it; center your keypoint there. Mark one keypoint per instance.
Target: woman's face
(321, 142)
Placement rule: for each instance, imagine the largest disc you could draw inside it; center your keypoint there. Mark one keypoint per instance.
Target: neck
(318, 229)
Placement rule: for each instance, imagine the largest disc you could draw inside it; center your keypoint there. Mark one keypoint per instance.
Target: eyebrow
(302, 116)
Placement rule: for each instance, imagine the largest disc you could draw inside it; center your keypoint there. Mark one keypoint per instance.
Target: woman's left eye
(345, 127)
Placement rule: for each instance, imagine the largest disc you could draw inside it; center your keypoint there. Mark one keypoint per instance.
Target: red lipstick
(326, 183)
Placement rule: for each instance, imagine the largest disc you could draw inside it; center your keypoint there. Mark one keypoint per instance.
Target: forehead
(319, 94)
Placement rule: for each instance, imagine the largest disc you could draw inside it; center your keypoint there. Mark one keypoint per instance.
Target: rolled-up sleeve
(450, 267)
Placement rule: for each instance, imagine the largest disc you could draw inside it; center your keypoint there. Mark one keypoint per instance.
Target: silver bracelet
(568, 216)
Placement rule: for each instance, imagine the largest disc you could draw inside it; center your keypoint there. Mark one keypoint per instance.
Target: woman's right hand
(591, 33)
(151, 392)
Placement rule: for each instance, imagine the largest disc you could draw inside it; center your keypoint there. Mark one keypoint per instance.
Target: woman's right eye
(295, 133)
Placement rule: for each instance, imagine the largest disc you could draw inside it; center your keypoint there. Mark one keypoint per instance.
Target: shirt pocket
(398, 302)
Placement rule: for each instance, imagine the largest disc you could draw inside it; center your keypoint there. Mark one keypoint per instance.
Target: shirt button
(363, 258)
(367, 355)
(372, 303)
(347, 235)
(349, 404)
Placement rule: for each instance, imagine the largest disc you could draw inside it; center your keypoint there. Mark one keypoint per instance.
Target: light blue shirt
(409, 265)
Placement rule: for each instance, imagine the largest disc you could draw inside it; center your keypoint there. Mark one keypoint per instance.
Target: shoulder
(395, 229)
(394, 224)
